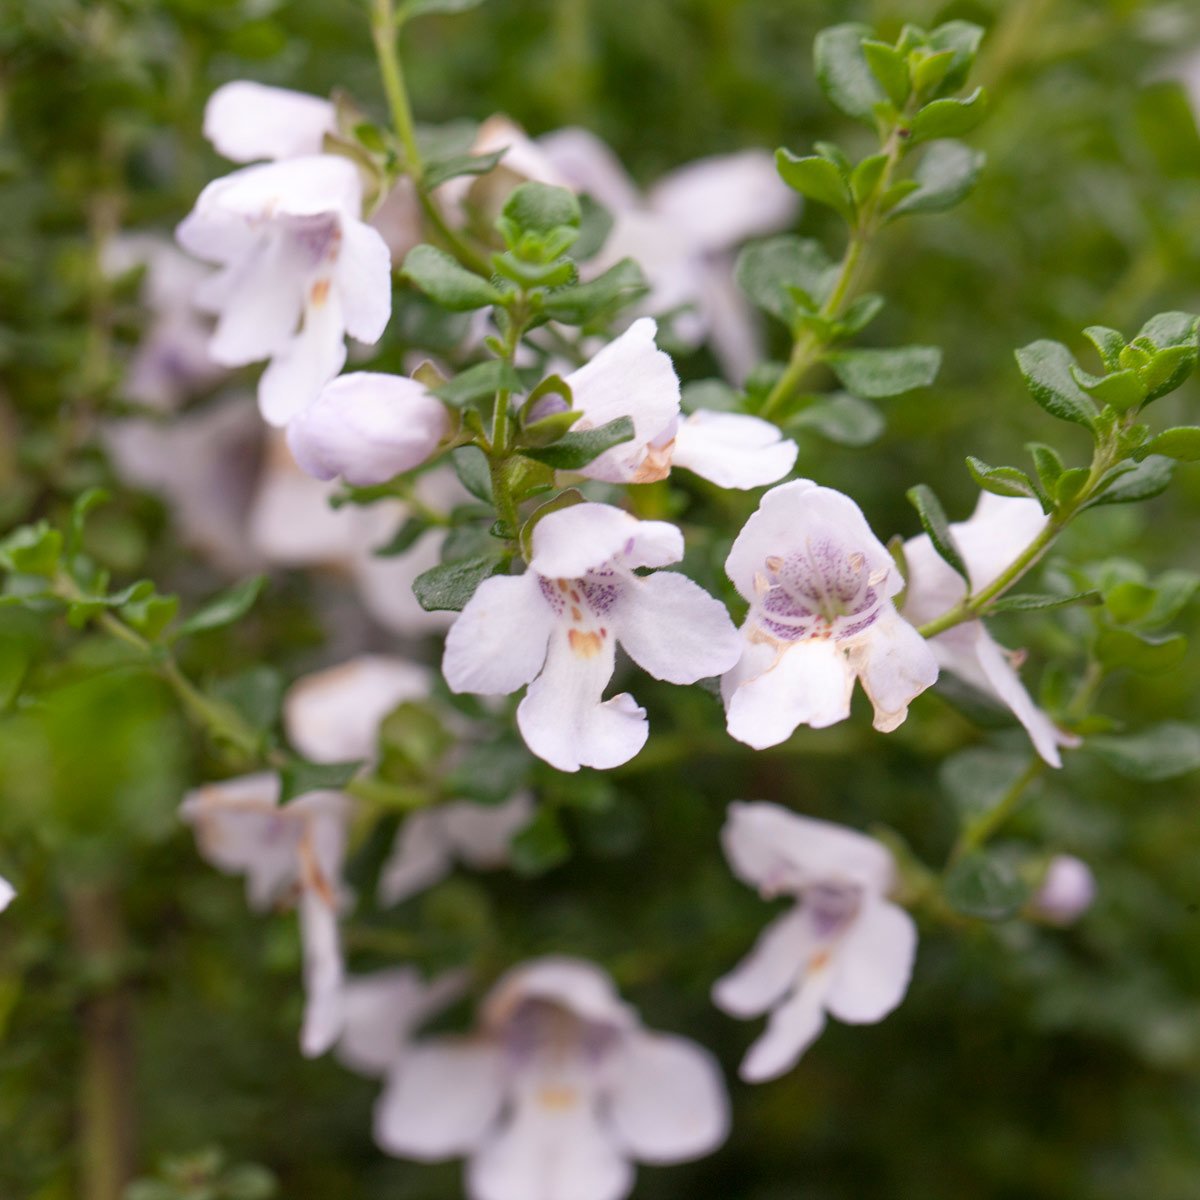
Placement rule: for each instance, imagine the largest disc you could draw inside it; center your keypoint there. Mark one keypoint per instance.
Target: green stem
(979, 831)
(501, 443)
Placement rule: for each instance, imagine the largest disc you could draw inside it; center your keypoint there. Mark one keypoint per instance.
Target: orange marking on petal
(819, 961)
(562, 585)
(319, 292)
(557, 1098)
(576, 614)
(586, 645)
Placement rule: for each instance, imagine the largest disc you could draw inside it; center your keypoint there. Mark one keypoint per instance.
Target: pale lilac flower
(203, 463)
(292, 524)
(1067, 891)
(632, 378)
(683, 233)
(367, 428)
(383, 1010)
(557, 1094)
(7, 893)
(298, 271)
(428, 843)
(556, 628)
(821, 615)
(171, 362)
(999, 529)
(288, 853)
(247, 122)
(334, 715)
(843, 949)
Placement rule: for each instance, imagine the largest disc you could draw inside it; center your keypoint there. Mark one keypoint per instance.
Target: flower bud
(367, 428)
(1067, 891)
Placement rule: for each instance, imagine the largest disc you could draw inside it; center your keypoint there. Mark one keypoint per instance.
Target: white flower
(248, 121)
(842, 949)
(1067, 891)
(632, 378)
(556, 628)
(292, 251)
(368, 427)
(683, 233)
(292, 524)
(819, 585)
(383, 1010)
(999, 529)
(559, 1091)
(203, 464)
(289, 853)
(428, 842)
(171, 362)
(7, 893)
(334, 715)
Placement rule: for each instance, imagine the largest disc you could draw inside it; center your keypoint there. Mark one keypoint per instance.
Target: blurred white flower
(383, 1010)
(289, 854)
(171, 362)
(557, 1094)
(842, 949)
(1067, 891)
(247, 122)
(631, 377)
(292, 252)
(556, 628)
(819, 584)
(683, 233)
(428, 843)
(367, 428)
(7, 893)
(999, 529)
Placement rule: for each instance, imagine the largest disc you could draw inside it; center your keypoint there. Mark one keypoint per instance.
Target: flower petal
(563, 719)
(482, 833)
(672, 628)
(873, 964)
(367, 427)
(1067, 891)
(791, 1029)
(297, 373)
(575, 984)
(563, 1155)
(324, 970)
(630, 377)
(809, 684)
(441, 1099)
(7, 893)
(896, 665)
(667, 1101)
(569, 543)
(246, 121)
(364, 278)
(386, 585)
(732, 450)
(334, 715)
(770, 970)
(591, 166)
(499, 641)
(421, 855)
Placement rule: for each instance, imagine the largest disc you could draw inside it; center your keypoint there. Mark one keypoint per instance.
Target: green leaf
(1001, 481)
(300, 777)
(448, 586)
(1036, 602)
(1109, 344)
(256, 693)
(1117, 648)
(1167, 370)
(83, 505)
(1149, 478)
(541, 845)
(1048, 464)
(473, 471)
(842, 71)
(483, 379)
(933, 521)
(963, 39)
(889, 68)
(621, 284)
(766, 270)
(865, 177)
(977, 779)
(150, 614)
(818, 179)
(32, 550)
(489, 772)
(595, 225)
(442, 279)
(403, 539)
(982, 885)
(543, 210)
(860, 314)
(422, 8)
(841, 418)
(948, 118)
(456, 165)
(1046, 367)
(715, 395)
(1129, 601)
(223, 609)
(1161, 752)
(945, 175)
(876, 373)
(578, 448)
(1170, 329)
(1121, 390)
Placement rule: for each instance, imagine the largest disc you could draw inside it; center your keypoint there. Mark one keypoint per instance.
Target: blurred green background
(1026, 1063)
